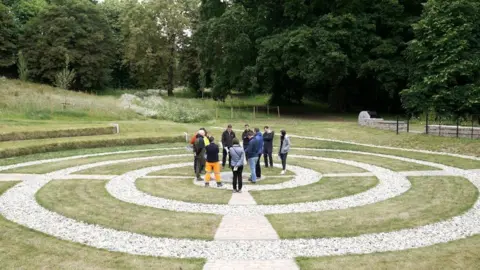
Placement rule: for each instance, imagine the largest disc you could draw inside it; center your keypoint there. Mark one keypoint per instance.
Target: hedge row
(46, 134)
(53, 147)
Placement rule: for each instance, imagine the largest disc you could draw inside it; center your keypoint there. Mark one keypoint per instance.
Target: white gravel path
(18, 204)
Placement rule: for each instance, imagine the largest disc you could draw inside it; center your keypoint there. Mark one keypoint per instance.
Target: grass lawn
(327, 188)
(459, 254)
(431, 199)
(22, 248)
(322, 166)
(124, 167)
(391, 164)
(183, 190)
(88, 201)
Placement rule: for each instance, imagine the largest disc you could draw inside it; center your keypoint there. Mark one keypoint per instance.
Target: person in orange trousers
(213, 163)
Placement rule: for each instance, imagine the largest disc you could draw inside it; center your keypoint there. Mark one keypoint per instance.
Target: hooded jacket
(285, 146)
(252, 148)
(268, 142)
(238, 154)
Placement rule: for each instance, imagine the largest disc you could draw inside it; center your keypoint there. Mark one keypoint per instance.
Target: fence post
(439, 126)
(268, 110)
(397, 124)
(426, 123)
(231, 112)
(216, 112)
(472, 127)
(457, 126)
(408, 124)
(278, 110)
(253, 112)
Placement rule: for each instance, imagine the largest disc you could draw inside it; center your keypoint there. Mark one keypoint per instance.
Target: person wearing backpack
(238, 155)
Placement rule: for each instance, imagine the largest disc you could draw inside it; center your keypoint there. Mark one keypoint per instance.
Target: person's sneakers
(199, 179)
(234, 191)
(254, 182)
(207, 184)
(282, 173)
(220, 184)
(250, 179)
(239, 191)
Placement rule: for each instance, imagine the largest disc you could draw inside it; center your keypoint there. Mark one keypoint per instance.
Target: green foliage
(8, 37)
(26, 9)
(22, 67)
(445, 58)
(65, 78)
(74, 27)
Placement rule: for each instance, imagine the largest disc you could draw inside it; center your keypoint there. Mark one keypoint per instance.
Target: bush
(65, 78)
(22, 67)
(182, 112)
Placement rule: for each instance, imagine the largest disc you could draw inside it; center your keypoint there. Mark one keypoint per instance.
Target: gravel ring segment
(18, 204)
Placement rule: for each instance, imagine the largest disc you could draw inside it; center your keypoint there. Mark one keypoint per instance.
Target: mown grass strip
(89, 201)
(327, 188)
(430, 199)
(183, 190)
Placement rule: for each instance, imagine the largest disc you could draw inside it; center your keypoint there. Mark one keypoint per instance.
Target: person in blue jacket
(259, 140)
(252, 155)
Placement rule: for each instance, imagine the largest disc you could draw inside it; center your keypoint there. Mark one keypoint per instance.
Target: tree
(445, 59)
(8, 37)
(70, 27)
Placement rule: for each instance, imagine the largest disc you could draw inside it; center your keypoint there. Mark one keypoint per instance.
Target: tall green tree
(8, 37)
(445, 59)
(76, 28)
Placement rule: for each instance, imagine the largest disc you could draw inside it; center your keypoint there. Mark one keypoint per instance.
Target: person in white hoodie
(284, 149)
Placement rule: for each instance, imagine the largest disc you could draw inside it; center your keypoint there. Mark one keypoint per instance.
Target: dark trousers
(258, 168)
(199, 164)
(224, 159)
(237, 178)
(267, 157)
(283, 157)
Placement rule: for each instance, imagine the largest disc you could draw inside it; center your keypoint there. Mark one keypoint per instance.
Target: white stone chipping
(19, 205)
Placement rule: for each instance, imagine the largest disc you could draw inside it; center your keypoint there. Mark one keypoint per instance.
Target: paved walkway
(247, 227)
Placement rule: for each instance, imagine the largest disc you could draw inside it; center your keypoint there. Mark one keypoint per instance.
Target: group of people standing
(254, 145)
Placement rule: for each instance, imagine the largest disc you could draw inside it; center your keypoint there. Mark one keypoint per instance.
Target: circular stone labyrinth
(244, 233)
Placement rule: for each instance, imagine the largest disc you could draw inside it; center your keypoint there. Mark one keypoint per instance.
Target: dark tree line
(387, 55)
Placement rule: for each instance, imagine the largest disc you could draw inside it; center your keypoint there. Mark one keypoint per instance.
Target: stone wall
(365, 120)
(451, 131)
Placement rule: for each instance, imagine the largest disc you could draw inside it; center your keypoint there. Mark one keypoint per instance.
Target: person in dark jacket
(252, 155)
(245, 138)
(268, 137)
(227, 142)
(238, 155)
(199, 153)
(213, 163)
(259, 141)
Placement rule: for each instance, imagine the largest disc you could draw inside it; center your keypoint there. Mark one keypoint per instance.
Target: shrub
(66, 77)
(22, 67)
(182, 112)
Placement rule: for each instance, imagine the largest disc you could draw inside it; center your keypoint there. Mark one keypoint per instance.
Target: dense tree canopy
(385, 55)
(74, 28)
(445, 57)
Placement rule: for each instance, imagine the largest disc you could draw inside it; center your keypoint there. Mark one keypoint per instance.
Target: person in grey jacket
(238, 155)
(284, 149)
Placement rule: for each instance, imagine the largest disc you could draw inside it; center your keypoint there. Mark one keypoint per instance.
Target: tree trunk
(171, 67)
